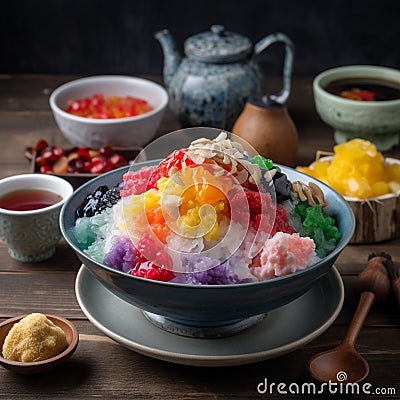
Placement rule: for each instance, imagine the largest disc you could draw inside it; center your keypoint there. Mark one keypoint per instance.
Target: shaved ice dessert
(208, 214)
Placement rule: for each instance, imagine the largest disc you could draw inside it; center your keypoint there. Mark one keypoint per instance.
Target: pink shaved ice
(138, 182)
(285, 254)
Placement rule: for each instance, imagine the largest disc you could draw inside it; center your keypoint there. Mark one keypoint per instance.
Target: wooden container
(377, 219)
(270, 131)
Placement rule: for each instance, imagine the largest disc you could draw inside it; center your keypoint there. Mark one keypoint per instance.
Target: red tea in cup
(29, 199)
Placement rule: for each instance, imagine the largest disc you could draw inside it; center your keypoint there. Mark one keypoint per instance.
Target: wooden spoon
(343, 363)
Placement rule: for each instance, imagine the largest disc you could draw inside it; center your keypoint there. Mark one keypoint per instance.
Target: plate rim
(217, 360)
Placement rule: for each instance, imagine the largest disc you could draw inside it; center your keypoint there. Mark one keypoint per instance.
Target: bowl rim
(104, 78)
(357, 70)
(344, 240)
(68, 351)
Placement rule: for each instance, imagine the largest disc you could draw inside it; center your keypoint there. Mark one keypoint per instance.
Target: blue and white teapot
(219, 74)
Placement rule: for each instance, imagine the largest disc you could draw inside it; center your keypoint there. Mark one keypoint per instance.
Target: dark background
(116, 36)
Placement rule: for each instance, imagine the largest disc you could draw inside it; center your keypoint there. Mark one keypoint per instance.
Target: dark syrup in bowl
(365, 89)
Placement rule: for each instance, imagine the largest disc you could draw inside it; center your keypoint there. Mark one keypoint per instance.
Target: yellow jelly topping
(194, 200)
(357, 169)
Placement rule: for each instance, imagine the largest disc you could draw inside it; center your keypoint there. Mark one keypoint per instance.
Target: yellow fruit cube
(380, 188)
(393, 172)
(358, 187)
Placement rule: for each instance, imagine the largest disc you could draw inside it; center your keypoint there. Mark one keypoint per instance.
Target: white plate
(281, 331)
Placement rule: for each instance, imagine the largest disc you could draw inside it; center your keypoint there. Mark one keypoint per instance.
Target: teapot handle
(282, 96)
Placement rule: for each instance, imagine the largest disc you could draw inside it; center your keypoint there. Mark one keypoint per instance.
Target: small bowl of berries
(79, 164)
(114, 110)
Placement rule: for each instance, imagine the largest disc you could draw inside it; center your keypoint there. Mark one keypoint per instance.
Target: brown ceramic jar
(270, 130)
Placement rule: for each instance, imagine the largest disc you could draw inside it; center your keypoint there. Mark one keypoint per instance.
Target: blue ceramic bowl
(207, 304)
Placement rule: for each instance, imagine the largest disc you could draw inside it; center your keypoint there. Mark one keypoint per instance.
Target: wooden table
(101, 367)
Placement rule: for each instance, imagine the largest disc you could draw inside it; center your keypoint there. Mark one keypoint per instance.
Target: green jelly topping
(96, 251)
(321, 228)
(84, 232)
(264, 163)
(88, 229)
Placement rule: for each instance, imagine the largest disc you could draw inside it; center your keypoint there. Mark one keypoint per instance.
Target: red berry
(84, 153)
(48, 157)
(97, 100)
(86, 166)
(108, 166)
(106, 151)
(41, 145)
(76, 165)
(97, 167)
(116, 159)
(75, 106)
(45, 169)
(96, 160)
(58, 151)
(85, 104)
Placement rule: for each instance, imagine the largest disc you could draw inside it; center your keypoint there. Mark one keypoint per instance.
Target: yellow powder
(34, 338)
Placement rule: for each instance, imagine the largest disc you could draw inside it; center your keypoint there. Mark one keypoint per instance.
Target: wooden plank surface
(102, 368)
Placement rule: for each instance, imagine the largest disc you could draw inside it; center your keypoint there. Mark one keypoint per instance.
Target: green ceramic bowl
(376, 121)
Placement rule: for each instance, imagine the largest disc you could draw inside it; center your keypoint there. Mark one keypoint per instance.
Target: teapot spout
(172, 56)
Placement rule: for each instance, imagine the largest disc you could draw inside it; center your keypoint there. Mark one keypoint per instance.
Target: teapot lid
(218, 45)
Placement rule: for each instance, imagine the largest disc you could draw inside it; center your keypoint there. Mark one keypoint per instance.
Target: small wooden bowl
(30, 368)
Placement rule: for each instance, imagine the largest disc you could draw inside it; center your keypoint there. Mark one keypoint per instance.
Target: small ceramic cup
(376, 121)
(32, 236)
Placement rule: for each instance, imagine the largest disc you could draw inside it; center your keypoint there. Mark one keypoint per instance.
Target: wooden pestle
(392, 271)
(396, 286)
(375, 278)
